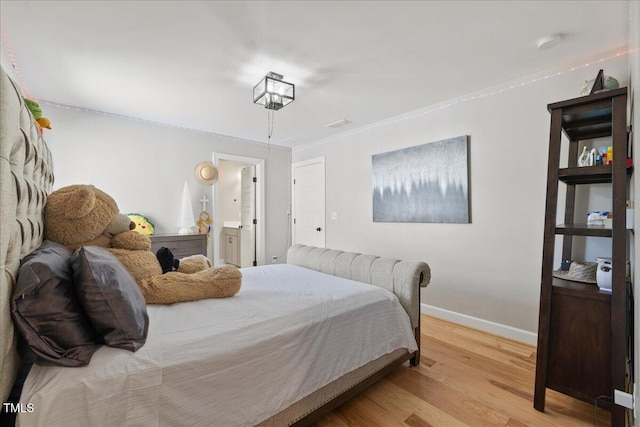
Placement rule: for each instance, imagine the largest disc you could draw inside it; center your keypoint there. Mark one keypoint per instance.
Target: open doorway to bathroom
(238, 211)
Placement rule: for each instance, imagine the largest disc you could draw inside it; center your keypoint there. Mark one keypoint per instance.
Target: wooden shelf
(579, 289)
(588, 117)
(583, 230)
(588, 175)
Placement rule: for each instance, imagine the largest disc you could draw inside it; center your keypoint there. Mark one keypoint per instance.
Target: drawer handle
(230, 240)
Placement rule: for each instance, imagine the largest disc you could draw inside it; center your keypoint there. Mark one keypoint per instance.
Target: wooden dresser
(181, 245)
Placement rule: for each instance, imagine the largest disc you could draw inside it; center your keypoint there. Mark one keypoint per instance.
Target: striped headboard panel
(26, 177)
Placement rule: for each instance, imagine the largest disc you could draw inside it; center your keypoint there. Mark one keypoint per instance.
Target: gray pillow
(47, 312)
(110, 297)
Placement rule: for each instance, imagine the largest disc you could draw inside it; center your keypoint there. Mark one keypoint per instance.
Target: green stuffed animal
(34, 107)
(36, 111)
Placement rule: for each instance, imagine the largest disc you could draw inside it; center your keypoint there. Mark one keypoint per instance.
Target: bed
(298, 340)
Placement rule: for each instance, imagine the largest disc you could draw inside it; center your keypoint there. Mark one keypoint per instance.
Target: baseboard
(481, 324)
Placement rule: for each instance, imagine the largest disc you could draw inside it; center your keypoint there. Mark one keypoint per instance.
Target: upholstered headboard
(403, 278)
(26, 177)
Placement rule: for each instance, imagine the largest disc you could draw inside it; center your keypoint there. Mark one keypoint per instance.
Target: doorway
(238, 211)
(309, 202)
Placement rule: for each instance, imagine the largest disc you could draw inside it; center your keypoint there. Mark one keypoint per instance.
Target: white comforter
(227, 362)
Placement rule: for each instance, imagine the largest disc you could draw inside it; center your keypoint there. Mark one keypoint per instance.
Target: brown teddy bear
(82, 215)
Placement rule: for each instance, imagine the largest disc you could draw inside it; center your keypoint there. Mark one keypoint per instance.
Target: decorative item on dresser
(584, 334)
(185, 214)
(181, 245)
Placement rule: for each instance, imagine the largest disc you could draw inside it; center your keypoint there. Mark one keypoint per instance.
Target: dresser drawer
(180, 245)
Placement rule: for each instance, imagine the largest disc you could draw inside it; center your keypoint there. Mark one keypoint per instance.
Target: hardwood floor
(465, 378)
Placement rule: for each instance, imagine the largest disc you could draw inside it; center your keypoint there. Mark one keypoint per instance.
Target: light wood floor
(465, 377)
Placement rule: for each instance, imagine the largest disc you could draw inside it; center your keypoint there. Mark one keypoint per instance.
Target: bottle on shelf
(583, 160)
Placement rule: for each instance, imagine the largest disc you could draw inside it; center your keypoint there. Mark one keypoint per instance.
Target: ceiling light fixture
(550, 41)
(274, 93)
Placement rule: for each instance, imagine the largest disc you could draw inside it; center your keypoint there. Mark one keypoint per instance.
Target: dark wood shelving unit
(588, 175)
(584, 290)
(583, 230)
(583, 333)
(588, 117)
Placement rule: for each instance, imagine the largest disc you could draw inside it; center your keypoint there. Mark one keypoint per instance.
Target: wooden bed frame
(26, 177)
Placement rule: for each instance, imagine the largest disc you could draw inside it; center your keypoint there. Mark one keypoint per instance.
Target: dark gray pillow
(110, 297)
(47, 312)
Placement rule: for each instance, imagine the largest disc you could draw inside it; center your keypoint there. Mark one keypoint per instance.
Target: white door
(309, 203)
(248, 217)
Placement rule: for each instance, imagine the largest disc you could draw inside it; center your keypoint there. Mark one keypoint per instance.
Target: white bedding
(227, 362)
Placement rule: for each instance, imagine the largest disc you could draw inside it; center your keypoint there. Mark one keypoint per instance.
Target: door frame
(250, 229)
(260, 207)
(324, 201)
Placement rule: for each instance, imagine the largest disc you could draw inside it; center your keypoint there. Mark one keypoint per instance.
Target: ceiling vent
(339, 123)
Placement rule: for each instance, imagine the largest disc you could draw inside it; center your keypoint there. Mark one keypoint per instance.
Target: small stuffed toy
(82, 215)
(167, 261)
(36, 111)
(143, 225)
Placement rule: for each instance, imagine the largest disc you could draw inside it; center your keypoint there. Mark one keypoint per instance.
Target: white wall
(143, 166)
(489, 269)
(6, 64)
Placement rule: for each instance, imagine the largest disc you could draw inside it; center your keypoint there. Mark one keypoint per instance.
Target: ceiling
(194, 64)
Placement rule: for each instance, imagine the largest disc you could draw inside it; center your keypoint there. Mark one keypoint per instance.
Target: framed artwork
(425, 183)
